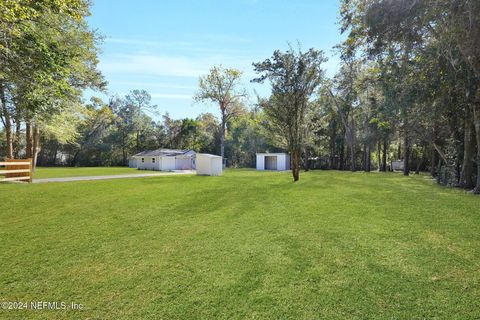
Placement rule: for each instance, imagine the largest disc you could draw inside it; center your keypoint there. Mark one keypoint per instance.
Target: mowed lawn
(63, 172)
(335, 245)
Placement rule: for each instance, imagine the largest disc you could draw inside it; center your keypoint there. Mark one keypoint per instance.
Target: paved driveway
(118, 176)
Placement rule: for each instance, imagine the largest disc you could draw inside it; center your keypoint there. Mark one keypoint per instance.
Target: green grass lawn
(335, 245)
(62, 172)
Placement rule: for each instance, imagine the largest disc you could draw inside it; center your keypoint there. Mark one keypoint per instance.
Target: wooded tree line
(107, 134)
(408, 89)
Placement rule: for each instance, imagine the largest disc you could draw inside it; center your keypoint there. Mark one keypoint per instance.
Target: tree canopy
(406, 95)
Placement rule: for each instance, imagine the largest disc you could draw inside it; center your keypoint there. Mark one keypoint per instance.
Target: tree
(463, 28)
(346, 101)
(222, 86)
(208, 133)
(138, 103)
(427, 52)
(294, 76)
(49, 56)
(96, 121)
(245, 138)
(189, 130)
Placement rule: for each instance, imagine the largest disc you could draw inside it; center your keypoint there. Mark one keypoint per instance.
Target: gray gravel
(118, 176)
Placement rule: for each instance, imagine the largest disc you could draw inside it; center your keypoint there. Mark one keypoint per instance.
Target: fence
(16, 170)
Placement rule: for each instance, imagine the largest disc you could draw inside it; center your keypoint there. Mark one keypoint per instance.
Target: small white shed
(273, 161)
(209, 164)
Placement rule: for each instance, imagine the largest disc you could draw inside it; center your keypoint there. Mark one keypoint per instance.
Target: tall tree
(345, 100)
(139, 103)
(294, 76)
(222, 86)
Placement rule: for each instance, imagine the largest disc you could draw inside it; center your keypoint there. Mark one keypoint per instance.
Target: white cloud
(171, 96)
(149, 64)
(152, 84)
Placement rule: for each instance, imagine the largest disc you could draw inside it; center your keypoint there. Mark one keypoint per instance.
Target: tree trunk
(16, 142)
(8, 136)
(74, 160)
(138, 141)
(349, 126)
(42, 158)
(466, 174)
(379, 155)
(222, 142)
(222, 135)
(384, 158)
(305, 163)
(433, 160)
(353, 143)
(406, 154)
(420, 161)
(28, 139)
(53, 160)
(404, 110)
(7, 124)
(367, 159)
(476, 121)
(36, 146)
(419, 164)
(332, 151)
(296, 165)
(342, 155)
(364, 156)
(352, 157)
(124, 151)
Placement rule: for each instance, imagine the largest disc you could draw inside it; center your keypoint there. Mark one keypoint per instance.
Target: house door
(270, 162)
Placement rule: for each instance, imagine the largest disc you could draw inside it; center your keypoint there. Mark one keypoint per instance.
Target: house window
(143, 160)
(153, 160)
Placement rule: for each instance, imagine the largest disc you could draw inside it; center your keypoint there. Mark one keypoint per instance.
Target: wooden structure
(16, 170)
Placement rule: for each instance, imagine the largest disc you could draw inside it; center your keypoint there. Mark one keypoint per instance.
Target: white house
(209, 164)
(273, 161)
(163, 160)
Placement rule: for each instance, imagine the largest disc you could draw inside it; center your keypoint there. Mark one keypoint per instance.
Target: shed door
(270, 162)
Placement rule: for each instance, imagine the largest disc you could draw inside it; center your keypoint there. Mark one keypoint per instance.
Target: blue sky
(163, 46)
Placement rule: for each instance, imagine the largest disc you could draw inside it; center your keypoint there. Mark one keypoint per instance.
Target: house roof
(164, 153)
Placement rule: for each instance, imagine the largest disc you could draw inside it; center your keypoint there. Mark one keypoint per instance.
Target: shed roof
(164, 153)
(208, 155)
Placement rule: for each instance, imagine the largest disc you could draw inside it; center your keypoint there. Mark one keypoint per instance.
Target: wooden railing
(16, 170)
